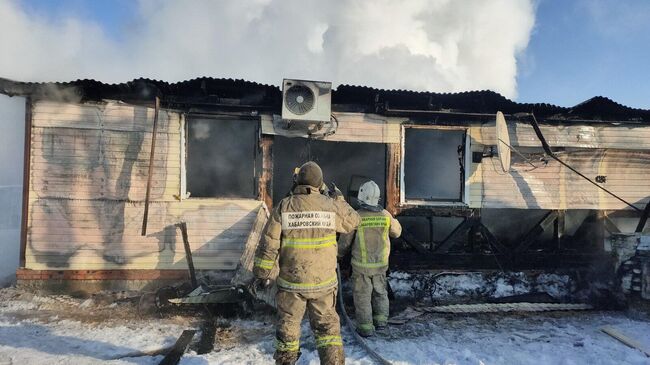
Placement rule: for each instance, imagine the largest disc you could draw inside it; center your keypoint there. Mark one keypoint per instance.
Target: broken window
(433, 165)
(347, 164)
(221, 158)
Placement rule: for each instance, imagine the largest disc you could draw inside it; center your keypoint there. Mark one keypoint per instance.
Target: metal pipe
(441, 113)
(150, 172)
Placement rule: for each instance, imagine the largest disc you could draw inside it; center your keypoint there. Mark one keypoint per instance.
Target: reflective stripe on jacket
(301, 236)
(371, 244)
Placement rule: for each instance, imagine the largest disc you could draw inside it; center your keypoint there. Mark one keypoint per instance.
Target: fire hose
(373, 354)
(457, 309)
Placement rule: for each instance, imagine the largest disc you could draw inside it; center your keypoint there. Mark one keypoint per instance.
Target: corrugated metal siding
(88, 181)
(352, 127)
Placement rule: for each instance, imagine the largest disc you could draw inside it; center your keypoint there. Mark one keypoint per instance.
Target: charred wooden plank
(530, 237)
(410, 239)
(473, 261)
(266, 177)
(392, 177)
(150, 173)
(188, 254)
(181, 345)
(449, 242)
(26, 176)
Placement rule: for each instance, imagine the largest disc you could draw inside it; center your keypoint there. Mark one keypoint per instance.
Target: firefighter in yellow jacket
(301, 235)
(370, 251)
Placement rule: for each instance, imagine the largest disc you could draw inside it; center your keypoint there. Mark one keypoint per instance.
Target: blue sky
(578, 48)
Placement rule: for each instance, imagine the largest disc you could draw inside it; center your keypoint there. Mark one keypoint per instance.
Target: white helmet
(369, 193)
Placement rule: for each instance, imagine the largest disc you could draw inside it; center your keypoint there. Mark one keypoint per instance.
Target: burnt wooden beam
(474, 261)
(608, 224)
(24, 221)
(410, 239)
(266, 177)
(150, 172)
(181, 345)
(643, 219)
(529, 238)
(188, 254)
(559, 228)
(492, 240)
(392, 177)
(449, 242)
(436, 211)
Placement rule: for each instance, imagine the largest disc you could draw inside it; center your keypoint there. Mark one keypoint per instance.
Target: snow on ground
(63, 330)
(472, 285)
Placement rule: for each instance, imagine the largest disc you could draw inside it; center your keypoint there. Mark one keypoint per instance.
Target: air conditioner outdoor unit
(309, 101)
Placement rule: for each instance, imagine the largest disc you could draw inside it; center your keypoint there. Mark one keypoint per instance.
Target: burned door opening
(347, 164)
(433, 165)
(221, 157)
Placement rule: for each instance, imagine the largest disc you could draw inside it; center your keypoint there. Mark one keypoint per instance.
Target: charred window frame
(348, 164)
(222, 157)
(461, 156)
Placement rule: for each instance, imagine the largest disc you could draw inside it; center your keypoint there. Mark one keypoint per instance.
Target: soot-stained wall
(346, 164)
(431, 164)
(221, 157)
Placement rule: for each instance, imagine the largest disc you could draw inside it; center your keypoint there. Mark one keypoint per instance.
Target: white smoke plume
(435, 45)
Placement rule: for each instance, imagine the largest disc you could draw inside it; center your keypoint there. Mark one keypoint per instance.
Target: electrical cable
(549, 152)
(520, 154)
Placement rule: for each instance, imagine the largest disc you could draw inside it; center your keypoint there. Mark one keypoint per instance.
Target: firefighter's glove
(335, 193)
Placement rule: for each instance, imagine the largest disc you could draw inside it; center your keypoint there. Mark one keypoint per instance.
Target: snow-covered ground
(62, 330)
(472, 285)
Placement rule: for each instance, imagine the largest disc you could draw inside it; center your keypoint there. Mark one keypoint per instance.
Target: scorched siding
(88, 176)
(619, 153)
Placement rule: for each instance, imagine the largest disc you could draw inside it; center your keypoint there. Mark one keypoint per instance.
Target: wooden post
(266, 178)
(151, 161)
(392, 177)
(188, 254)
(24, 222)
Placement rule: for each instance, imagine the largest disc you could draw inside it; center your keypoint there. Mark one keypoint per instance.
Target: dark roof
(209, 93)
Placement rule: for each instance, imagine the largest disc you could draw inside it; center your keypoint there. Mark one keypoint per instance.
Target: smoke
(436, 45)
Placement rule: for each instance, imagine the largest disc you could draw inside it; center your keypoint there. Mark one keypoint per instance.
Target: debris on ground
(40, 329)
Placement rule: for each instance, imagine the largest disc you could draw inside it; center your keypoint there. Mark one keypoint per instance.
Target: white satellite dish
(503, 142)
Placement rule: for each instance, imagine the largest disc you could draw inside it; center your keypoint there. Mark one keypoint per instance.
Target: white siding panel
(102, 234)
(603, 135)
(553, 186)
(88, 177)
(101, 151)
(352, 127)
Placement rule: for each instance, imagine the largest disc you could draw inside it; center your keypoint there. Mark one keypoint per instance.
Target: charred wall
(347, 164)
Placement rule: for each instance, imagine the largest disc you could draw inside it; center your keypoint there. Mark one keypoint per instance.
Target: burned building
(223, 157)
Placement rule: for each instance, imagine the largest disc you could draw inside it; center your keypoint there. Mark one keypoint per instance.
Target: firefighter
(370, 250)
(301, 237)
